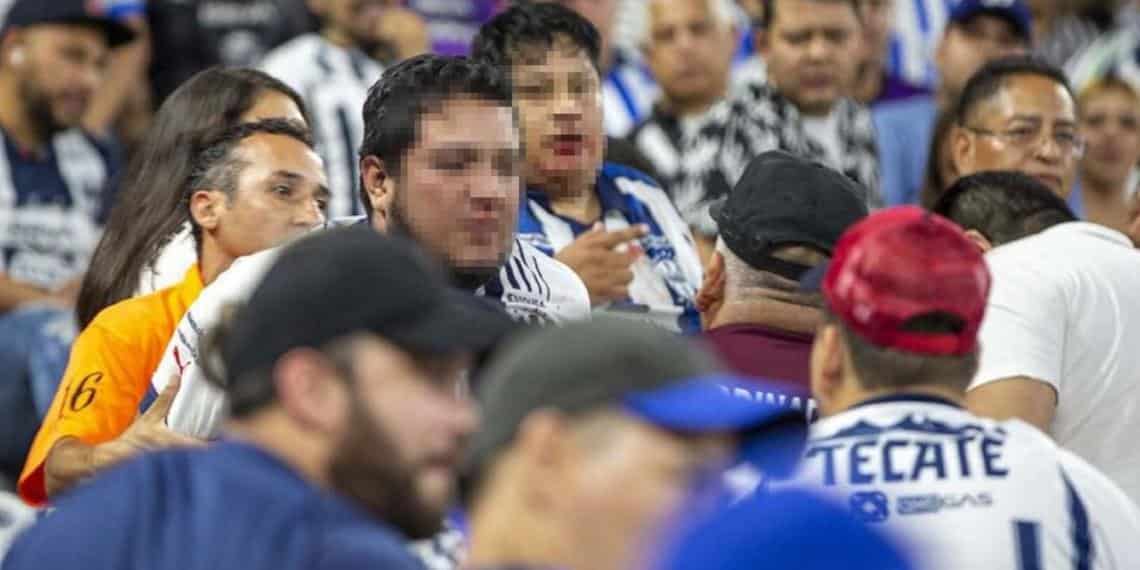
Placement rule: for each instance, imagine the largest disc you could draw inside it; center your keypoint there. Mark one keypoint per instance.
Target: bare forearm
(69, 462)
(13, 294)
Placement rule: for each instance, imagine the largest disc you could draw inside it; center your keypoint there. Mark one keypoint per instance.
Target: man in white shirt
(906, 293)
(1061, 335)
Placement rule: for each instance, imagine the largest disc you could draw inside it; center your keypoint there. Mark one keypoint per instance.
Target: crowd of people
(581, 284)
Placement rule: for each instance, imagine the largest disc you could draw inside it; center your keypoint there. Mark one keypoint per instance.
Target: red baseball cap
(901, 263)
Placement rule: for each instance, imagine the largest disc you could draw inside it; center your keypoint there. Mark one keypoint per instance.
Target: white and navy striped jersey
(334, 82)
(533, 287)
(967, 492)
(628, 94)
(665, 279)
(52, 207)
(918, 28)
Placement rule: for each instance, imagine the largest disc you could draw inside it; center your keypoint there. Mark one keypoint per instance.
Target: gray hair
(742, 282)
(724, 12)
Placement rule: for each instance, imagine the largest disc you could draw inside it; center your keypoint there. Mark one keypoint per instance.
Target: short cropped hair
(216, 165)
(881, 368)
(528, 29)
(769, 14)
(993, 76)
(1003, 206)
(398, 101)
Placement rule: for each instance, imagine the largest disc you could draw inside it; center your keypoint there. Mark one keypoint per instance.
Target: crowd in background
(671, 169)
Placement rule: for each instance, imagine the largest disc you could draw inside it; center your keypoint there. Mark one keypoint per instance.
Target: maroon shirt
(764, 353)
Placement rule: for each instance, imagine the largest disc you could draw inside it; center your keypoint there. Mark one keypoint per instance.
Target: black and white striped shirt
(334, 82)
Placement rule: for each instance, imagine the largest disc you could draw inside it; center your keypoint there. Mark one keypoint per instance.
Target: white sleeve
(199, 407)
(1113, 518)
(170, 267)
(1023, 333)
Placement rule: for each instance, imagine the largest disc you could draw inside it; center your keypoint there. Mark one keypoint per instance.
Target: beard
(39, 108)
(366, 467)
(465, 278)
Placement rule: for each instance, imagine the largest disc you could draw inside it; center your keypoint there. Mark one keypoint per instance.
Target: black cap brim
(116, 32)
(464, 323)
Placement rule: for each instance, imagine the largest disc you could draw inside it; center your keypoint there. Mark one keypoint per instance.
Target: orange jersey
(108, 375)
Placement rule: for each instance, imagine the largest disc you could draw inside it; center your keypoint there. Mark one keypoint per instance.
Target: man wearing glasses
(1019, 113)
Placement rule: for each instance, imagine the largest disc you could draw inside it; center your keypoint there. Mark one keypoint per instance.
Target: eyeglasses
(1071, 145)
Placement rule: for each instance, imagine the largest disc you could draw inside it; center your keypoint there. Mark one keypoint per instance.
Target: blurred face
(1110, 125)
(404, 437)
(633, 478)
(560, 104)
(281, 193)
(273, 105)
(1029, 126)
(356, 20)
(878, 15)
(57, 68)
(966, 47)
(808, 49)
(689, 50)
(458, 188)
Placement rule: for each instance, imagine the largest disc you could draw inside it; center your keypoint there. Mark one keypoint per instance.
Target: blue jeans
(35, 343)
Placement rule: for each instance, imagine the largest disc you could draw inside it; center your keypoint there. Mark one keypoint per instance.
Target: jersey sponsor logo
(915, 449)
(870, 506)
(932, 502)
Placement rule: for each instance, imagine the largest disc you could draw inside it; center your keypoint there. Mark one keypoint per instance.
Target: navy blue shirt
(52, 207)
(232, 506)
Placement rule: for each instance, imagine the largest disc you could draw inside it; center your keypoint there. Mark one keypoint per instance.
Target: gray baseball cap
(640, 369)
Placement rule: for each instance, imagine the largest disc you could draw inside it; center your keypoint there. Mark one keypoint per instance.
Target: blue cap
(97, 13)
(641, 370)
(779, 530)
(1016, 12)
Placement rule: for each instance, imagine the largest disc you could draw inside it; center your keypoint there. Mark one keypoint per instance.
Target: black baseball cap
(637, 368)
(781, 200)
(24, 13)
(352, 279)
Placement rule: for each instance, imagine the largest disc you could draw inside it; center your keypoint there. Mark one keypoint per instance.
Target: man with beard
(52, 180)
(345, 430)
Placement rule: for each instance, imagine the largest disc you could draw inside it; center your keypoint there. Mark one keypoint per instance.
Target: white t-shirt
(825, 131)
(169, 268)
(1065, 309)
(967, 493)
(533, 288)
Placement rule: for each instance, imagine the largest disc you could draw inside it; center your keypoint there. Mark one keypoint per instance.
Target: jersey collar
(908, 398)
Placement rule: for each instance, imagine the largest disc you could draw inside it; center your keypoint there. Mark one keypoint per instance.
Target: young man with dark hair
(345, 431)
(905, 294)
(613, 225)
(781, 220)
(803, 108)
(440, 167)
(997, 207)
(1060, 329)
(1019, 114)
(255, 185)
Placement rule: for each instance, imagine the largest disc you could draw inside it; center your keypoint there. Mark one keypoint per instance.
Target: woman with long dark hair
(150, 210)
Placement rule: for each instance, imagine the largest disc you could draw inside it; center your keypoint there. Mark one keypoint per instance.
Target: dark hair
(525, 27)
(992, 78)
(413, 87)
(934, 181)
(1003, 206)
(769, 14)
(149, 206)
(886, 368)
(216, 165)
